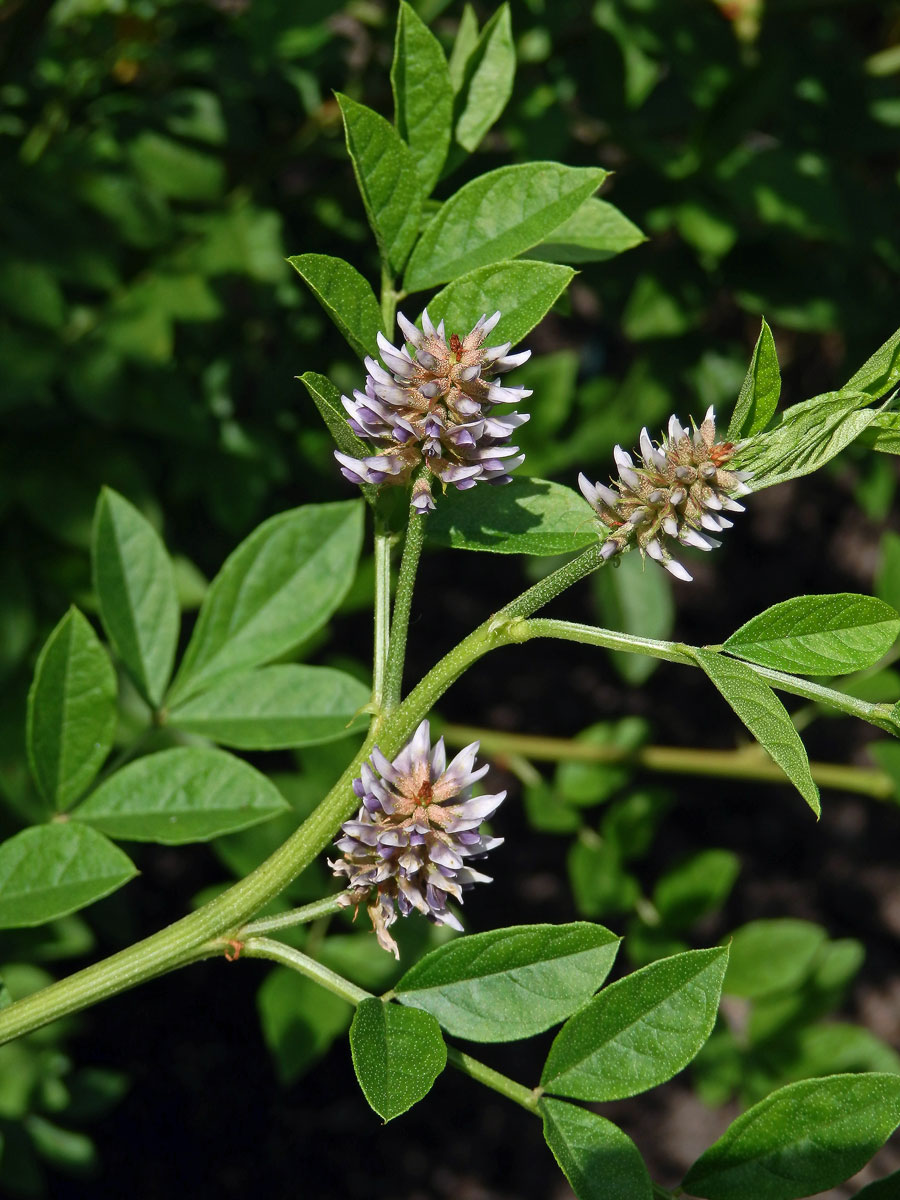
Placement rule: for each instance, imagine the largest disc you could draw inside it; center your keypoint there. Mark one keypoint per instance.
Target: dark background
(157, 165)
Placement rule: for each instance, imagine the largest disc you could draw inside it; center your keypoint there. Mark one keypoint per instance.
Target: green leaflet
(359, 958)
(600, 884)
(595, 232)
(808, 436)
(398, 1053)
(135, 586)
(524, 292)
(583, 784)
(598, 1159)
(818, 635)
(299, 1021)
(887, 577)
(276, 707)
(765, 716)
(699, 885)
(639, 1031)
(485, 78)
(279, 586)
(510, 983)
(880, 373)
(71, 710)
(887, 755)
(175, 169)
(882, 433)
(465, 42)
(801, 1140)
(327, 399)
(771, 956)
(820, 989)
(188, 794)
(497, 216)
(387, 178)
(527, 516)
(423, 95)
(50, 870)
(345, 295)
(760, 390)
(831, 1048)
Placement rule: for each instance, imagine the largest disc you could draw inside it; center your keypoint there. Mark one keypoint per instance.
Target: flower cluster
(436, 407)
(417, 826)
(679, 491)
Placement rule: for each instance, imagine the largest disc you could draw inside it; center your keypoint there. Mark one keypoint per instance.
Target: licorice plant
(429, 440)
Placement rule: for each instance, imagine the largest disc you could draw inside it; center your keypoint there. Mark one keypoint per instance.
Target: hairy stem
(750, 764)
(382, 613)
(263, 947)
(296, 916)
(406, 582)
(570, 631)
(517, 1092)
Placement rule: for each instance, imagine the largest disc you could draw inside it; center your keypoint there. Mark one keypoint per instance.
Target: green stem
(517, 1092)
(262, 947)
(875, 714)
(527, 1098)
(554, 584)
(382, 614)
(750, 764)
(879, 715)
(406, 582)
(296, 916)
(591, 635)
(222, 918)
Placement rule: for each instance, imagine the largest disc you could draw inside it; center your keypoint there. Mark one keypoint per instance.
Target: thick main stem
(751, 764)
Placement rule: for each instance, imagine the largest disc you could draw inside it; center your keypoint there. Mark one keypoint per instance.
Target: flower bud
(437, 405)
(416, 830)
(678, 491)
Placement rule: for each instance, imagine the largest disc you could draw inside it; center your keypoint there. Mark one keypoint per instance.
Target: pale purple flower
(679, 491)
(436, 407)
(418, 826)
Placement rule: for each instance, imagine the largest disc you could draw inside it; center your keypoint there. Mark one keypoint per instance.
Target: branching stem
(287, 956)
(326, 907)
(198, 934)
(517, 1092)
(222, 919)
(570, 631)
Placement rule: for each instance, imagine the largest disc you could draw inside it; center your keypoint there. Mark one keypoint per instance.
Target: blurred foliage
(160, 160)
